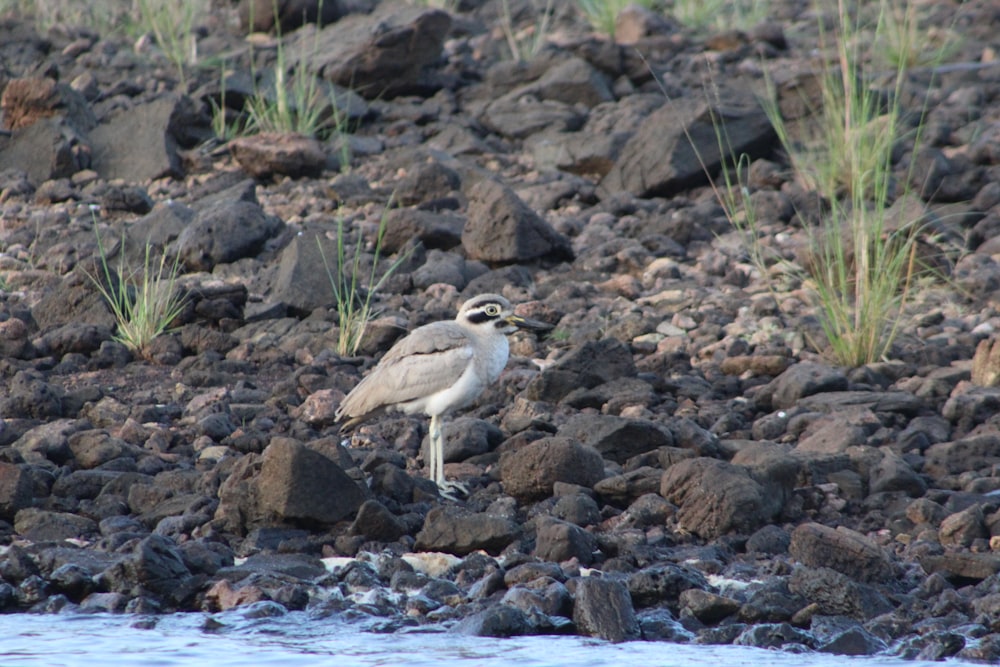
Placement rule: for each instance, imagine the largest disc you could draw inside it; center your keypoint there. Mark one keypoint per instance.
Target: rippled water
(298, 639)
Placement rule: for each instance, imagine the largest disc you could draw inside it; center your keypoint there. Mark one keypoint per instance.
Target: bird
(438, 368)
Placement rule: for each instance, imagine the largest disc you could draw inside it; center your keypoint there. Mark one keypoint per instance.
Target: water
(100, 640)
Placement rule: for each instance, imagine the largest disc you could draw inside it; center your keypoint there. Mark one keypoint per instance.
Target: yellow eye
(492, 309)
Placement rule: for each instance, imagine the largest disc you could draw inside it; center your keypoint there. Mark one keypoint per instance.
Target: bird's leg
(451, 490)
(432, 448)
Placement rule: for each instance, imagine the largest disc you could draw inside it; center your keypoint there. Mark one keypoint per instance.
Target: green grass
(525, 43)
(720, 14)
(354, 300)
(603, 14)
(861, 265)
(171, 22)
(144, 300)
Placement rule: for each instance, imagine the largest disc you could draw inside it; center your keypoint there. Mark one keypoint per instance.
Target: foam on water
(288, 640)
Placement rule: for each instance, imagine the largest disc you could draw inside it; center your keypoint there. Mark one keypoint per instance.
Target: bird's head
(493, 310)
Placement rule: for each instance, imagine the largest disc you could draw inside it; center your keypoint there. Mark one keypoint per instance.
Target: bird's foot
(452, 490)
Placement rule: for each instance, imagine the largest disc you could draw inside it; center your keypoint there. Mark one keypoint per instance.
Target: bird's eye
(493, 310)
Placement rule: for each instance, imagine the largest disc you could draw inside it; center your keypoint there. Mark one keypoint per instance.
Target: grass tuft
(354, 300)
(144, 300)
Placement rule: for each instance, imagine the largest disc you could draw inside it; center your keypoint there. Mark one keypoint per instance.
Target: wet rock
(774, 636)
(456, 531)
(500, 620)
(855, 640)
(841, 549)
(716, 497)
(529, 472)
(603, 609)
(502, 228)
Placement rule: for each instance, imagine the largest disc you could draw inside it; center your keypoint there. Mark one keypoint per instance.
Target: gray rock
(804, 379)
(225, 232)
(302, 282)
(520, 117)
(40, 525)
(270, 154)
(659, 159)
(436, 230)
(559, 541)
(299, 484)
(48, 441)
(972, 453)
(378, 55)
(616, 438)
(501, 228)
(842, 549)
(141, 143)
(500, 620)
(460, 532)
(16, 490)
(530, 472)
(962, 528)
(707, 607)
(375, 522)
(50, 148)
(716, 497)
(774, 636)
(663, 584)
(603, 609)
(836, 593)
(589, 365)
(961, 566)
(465, 437)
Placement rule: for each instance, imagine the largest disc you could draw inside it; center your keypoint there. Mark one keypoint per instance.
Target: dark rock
(588, 365)
(500, 620)
(559, 541)
(297, 483)
(501, 228)
(716, 497)
(40, 525)
(382, 54)
(603, 609)
(841, 549)
(436, 230)
(769, 540)
(835, 593)
(225, 232)
(376, 522)
(853, 641)
(659, 159)
(466, 437)
(805, 379)
(774, 636)
(577, 508)
(456, 531)
(962, 566)
(707, 607)
(528, 473)
(972, 453)
(16, 490)
(662, 584)
(616, 438)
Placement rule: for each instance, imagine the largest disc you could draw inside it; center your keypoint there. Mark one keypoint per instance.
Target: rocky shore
(676, 461)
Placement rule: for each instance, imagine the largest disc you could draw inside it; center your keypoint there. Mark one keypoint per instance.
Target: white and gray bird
(438, 368)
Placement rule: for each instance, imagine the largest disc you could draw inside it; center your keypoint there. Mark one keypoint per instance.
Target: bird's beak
(525, 323)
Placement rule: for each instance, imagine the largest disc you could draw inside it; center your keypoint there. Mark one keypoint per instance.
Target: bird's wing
(416, 366)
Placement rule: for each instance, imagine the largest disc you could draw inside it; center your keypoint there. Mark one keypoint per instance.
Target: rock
(853, 641)
(16, 490)
(285, 154)
(962, 566)
(224, 232)
(961, 529)
(26, 101)
(716, 497)
(455, 531)
(501, 228)
(500, 620)
(50, 148)
(972, 453)
(590, 365)
(299, 484)
(142, 143)
(603, 609)
(375, 522)
(40, 525)
(707, 607)
(986, 364)
(528, 473)
(465, 437)
(560, 541)
(284, 16)
(379, 55)
(841, 549)
(804, 379)
(663, 583)
(836, 593)
(659, 160)
(616, 438)
(774, 636)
